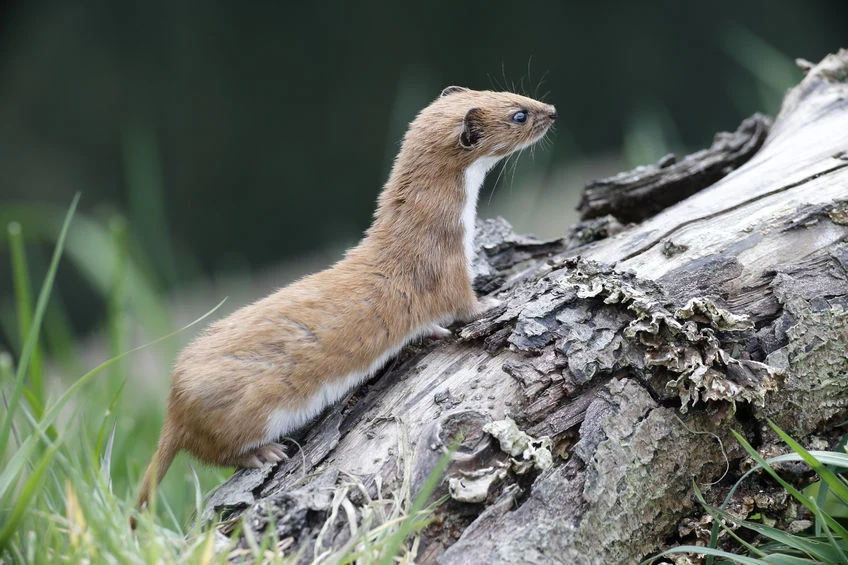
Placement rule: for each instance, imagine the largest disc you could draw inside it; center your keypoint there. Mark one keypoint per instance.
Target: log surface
(635, 195)
(634, 349)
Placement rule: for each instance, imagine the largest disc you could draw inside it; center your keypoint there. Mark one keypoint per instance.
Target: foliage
(62, 495)
(827, 501)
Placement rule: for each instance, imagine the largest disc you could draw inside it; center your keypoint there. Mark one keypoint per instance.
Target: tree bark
(625, 355)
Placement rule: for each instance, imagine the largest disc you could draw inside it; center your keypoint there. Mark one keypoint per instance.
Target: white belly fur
(285, 420)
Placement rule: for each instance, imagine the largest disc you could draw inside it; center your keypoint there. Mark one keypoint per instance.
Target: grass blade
(708, 551)
(108, 412)
(29, 490)
(811, 547)
(839, 460)
(20, 458)
(23, 299)
(834, 482)
(778, 559)
(106, 456)
(35, 328)
(91, 249)
(411, 522)
(717, 516)
(821, 497)
(146, 198)
(799, 496)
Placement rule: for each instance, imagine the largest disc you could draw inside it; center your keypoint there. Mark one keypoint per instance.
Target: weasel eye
(519, 117)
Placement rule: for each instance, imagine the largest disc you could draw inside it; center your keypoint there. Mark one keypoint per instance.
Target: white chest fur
(474, 176)
(284, 420)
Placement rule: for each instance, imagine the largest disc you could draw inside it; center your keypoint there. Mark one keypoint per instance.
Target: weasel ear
(453, 90)
(472, 128)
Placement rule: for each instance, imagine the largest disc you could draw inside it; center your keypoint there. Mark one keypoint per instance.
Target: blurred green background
(222, 149)
(237, 135)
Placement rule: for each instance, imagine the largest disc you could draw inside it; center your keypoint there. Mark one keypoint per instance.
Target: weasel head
(471, 124)
(443, 160)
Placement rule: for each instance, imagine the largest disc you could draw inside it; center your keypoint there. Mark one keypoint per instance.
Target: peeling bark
(634, 349)
(635, 195)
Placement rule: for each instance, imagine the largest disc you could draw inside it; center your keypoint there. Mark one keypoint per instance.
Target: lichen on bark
(814, 298)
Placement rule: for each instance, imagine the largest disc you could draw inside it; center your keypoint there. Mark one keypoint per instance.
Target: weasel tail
(162, 459)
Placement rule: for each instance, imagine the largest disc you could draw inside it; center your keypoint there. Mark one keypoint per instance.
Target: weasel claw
(440, 332)
(271, 453)
(250, 461)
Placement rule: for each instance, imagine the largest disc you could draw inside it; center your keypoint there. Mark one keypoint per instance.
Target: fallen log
(582, 409)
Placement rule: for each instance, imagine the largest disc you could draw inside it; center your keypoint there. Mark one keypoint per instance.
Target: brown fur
(407, 273)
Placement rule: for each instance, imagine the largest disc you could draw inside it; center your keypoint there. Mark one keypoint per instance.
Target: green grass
(826, 499)
(54, 483)
(135, 310)
(74, 442)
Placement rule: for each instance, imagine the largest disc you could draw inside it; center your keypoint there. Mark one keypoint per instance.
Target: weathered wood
(635, 195)
(636, 358)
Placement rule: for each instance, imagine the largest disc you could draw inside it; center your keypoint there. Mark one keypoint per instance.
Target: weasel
(268, 368)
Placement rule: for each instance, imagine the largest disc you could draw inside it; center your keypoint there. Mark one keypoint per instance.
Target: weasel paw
(483, 305)
(271, 453)
(440, 332)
